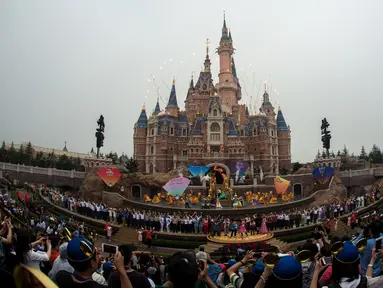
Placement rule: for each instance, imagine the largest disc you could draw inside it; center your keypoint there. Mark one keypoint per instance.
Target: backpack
(362, 284)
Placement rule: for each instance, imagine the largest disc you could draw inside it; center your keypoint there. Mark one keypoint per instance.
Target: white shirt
(33, 258)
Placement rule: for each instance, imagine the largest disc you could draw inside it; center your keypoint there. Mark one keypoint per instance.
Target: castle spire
(142, 121)
(157, 108)
(173, 96)
(233, 69)
(281, 123)
(207, 48)
(225, 35)
(230, 35)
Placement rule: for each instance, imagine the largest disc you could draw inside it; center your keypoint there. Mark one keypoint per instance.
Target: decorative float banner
(197, 170)
(323, 174)
(110, 176)
(281, 185)
(239, 168)
(177, 186)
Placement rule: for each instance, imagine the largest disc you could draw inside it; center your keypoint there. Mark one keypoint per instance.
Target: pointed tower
(157, 108)
(139, 139)
(284, 141)
(142, 121)
(267, 107)
(172, 107)
(227, 87)
(65, 149)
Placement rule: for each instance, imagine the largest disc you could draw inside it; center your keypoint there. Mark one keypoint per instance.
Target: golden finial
(174, 80)
(143, 107)
(279, 107)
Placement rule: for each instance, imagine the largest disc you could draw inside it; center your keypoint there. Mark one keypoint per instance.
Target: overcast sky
(63, 63)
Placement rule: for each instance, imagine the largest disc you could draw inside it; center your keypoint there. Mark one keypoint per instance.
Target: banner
(110, 176)
(323, 174)
(197, 170)
(281, 185)
(239, 169)
(177, 186)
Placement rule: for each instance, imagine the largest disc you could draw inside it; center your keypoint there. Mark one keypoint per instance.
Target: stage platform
(140, 204)
(239, 240)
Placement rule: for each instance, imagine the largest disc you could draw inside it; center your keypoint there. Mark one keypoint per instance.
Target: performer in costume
(217, 203)
(147, 198)
(263, 229)
(242, 229)
(156, 199)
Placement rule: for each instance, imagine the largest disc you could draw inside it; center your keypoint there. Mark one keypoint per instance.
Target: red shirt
(148, 234)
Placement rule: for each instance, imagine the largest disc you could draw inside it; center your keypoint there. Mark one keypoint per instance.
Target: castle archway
(221, 165)
(298, 190)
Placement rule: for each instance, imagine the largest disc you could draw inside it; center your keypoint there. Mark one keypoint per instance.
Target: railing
(40, 170)
(215, 155)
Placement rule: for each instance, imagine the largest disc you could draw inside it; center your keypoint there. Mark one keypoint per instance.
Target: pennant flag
(281, 185)
(197, 170)
(239, 168)
(110, 176)
(323, 174)
(177, 186)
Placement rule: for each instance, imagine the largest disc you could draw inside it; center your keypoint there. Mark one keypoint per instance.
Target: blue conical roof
(173, 97)
(281, 123)
(157, 108)
(143, 119)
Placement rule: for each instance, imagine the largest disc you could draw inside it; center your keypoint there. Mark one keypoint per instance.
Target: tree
(296, 166)
(40, 159)
(29, 154)
(132, 165)
(332, 154)
(113, 156)
(338, 153)
(375, 155)
(21, 156)
(326, 135)
(3, 153)
(64, 163)
(324, 155)
(51, 160)
(318, 155)
(12, 154)
(345, 152)
(363, 155)
(100, 134)
(76, 163)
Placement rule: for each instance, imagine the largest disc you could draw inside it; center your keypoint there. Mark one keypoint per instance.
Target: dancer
(234, 228)
(218, 203)
(263, 229)
(242, 229)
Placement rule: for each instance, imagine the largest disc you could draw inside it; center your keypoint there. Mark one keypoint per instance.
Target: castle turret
(139, 139)
(267, 107)
(284, 141)
(142, 121)
(227, 87)
(172, 107)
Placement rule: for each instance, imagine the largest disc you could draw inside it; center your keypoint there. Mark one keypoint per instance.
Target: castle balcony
(215, 155)
(226, 85)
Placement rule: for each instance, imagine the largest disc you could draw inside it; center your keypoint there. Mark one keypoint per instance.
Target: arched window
(192, 150)
(215, 112)
(254, 131)
(235, 150)
(196, 150)
(215, 127)
(152, 150)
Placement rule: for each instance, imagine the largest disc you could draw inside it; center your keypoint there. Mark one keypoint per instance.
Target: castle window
(192, 150)
(183, 132)
(171, 131)
(272, 132)
(255, 132)
(215, 127)
(196, 150)
(235, 150)
(152, 150)
(215, 112)
(242, 133)
(152, 132)
(215, 137)
(184, 152)
(272, 150)
(171, 148)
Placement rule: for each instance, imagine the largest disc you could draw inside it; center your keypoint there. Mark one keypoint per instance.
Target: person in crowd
(137, 279)
(61, 263)
(84, 258)
(24, 249)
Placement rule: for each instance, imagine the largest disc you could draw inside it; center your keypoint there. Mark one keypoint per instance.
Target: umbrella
(177, 186)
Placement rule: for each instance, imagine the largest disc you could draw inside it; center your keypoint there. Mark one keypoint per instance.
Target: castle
(214, 128)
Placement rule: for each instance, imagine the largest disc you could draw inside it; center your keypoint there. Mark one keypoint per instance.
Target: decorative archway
(227, 170)
(298, 190)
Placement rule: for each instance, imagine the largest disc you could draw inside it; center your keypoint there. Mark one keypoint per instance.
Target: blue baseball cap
(108, 266)
(80, 250)
(287, 268)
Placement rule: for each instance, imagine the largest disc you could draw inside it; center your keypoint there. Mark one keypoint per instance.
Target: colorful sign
(281, 185)
(239, 168)
(110, 176)
(323, 174)
(198, 170)
(177, 186)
